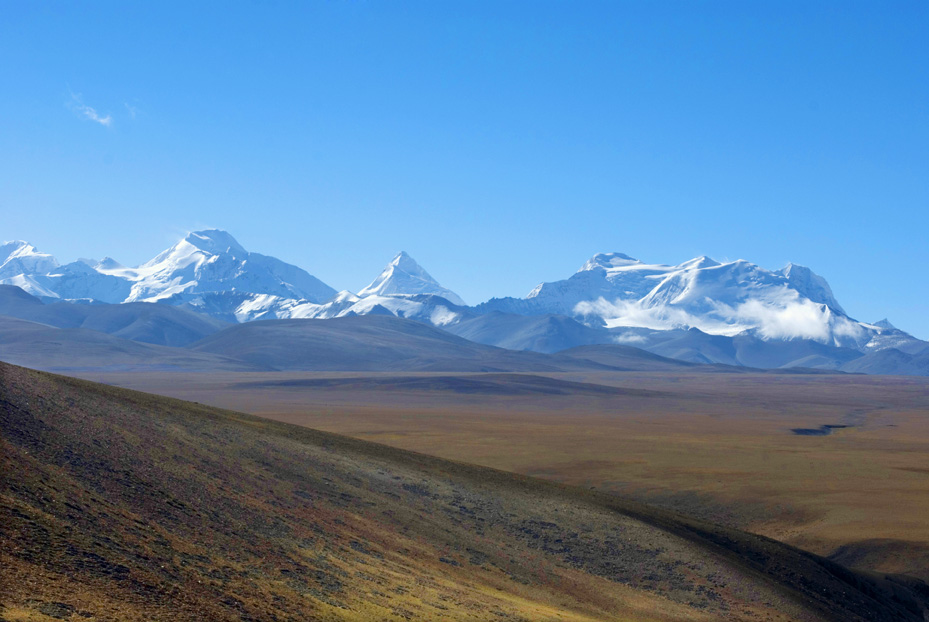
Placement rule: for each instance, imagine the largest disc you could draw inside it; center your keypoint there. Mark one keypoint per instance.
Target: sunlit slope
(119, 505)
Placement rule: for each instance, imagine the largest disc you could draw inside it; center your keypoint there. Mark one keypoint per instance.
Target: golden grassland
(719, 446)
(119, 505)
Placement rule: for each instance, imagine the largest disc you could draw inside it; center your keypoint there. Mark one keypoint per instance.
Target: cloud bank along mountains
(700, 311)
(710, 312)
(618, 292)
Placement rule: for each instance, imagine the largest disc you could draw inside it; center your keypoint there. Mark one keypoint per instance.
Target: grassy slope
(718, 446)
(122, 505)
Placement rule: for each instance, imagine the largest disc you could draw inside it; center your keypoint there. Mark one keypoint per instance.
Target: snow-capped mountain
(213, 261)
(21, 263)
(616, 291)
(202, 262)
(700, 310)
(404, 277)
(18, 257)
(79, 280)
(403, 289)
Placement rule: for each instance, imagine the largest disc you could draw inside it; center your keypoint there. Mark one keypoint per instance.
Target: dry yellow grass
(124, 506)
(719, 446)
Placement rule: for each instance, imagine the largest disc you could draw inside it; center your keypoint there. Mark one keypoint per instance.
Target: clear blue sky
(499, 143)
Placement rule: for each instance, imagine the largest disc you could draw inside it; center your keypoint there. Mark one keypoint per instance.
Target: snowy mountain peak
(20, 263)
(690, 310)
(404, 277)
(196, 247)
(21, 258)
(606, 261)
(18, 248)
(108, 263)
(345, 296)
(10, 247)
(213, 261)
(811, 285)
(615, 291)
(214, 241)
(699, 262)
(403, 261)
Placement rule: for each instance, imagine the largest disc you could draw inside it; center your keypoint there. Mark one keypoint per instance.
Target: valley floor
(721, 446)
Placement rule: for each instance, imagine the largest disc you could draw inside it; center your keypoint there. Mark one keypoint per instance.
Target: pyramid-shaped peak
(404, 277)
(404, 262)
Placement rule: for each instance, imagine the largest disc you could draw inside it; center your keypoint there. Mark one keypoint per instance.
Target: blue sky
(499, 143)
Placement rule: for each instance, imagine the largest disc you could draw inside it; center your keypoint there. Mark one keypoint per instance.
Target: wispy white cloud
(77, 104)
(630, 339)
(132, 110)
(781, 315)
(799, 318)
(636, 314)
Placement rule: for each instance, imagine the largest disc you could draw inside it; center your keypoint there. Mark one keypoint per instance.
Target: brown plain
(118, 505)
(717, 446)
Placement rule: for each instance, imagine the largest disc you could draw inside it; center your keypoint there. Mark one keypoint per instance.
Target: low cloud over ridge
(786, 316)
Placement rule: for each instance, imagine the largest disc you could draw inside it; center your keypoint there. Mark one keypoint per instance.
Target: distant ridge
(701, 310)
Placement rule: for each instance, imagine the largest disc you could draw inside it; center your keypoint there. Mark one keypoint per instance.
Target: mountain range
(700, 311)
